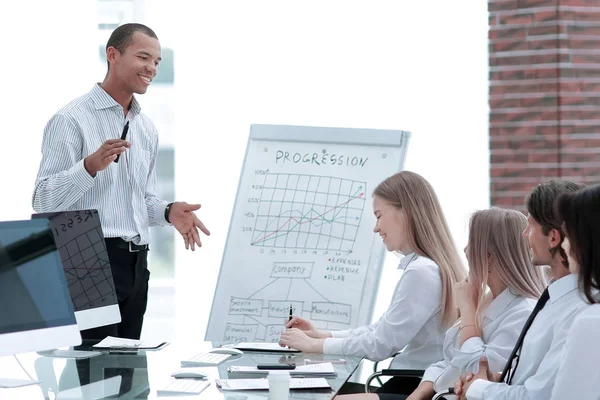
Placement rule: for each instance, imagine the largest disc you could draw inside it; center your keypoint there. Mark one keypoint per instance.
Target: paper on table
(263, 384)
(259, 346)
(111, 342)
(313, 369)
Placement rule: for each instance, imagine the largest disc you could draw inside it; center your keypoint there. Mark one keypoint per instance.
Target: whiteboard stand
(301, 231)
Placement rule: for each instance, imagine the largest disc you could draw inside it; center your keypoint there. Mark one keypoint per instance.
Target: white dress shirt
(579, 376)
(412, 321)
(503, 320)
(542, 351)
(125, 192)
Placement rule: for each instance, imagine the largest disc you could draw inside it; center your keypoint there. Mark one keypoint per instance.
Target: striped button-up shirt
(125, 192)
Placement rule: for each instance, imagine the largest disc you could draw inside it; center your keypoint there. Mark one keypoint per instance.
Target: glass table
(139, 375)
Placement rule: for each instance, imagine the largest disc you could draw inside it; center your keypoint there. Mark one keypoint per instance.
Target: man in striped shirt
(85, 165)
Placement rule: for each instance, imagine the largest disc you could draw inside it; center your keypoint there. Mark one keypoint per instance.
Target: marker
(123, 136)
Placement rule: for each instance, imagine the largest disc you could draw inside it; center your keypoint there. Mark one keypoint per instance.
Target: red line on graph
(303, 222)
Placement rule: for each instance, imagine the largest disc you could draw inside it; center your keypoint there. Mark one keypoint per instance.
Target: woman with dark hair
(579, 376)
(580, 213)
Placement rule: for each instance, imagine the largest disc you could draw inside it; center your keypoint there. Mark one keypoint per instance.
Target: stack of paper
(111, 342)
(263, 384)
(324, 369)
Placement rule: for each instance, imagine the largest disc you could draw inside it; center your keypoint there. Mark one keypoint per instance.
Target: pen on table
(123, 136)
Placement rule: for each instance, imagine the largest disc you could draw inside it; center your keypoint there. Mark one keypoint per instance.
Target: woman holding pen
(410, 221)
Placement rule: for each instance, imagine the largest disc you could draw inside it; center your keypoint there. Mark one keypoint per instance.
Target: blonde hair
(496, 241)
(428, 233)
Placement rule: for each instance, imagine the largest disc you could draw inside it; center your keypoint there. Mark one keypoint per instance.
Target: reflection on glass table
(115, 376)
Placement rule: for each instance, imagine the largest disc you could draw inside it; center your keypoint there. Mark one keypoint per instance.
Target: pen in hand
(290, 318)
(123, 136)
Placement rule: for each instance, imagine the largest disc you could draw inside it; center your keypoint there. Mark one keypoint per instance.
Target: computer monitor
(80, 242)
(36, 312)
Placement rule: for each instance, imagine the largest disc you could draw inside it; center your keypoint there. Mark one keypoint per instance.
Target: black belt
(122, 244)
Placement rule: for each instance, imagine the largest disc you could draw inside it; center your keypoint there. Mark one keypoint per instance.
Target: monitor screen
(86, 265)
(33, 289)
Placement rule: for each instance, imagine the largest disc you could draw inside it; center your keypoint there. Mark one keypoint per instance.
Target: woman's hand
(307, 327)
(466, 297)
(299, 340)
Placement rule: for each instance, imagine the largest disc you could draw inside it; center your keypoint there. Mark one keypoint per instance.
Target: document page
(263, 384)
(259, 346)
(312, 369)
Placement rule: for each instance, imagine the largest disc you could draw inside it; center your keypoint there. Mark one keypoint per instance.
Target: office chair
(405, 373)
(376, 364)
(397, 373)
(440, 395)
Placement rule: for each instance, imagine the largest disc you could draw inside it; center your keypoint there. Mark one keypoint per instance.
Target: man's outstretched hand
(183, 218)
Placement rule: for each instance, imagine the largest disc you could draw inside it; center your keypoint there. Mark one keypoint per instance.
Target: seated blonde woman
(491, 320)
(409, 220)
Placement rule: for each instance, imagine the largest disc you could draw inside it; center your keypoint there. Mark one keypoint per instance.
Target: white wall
(49, 57)
(418, 66)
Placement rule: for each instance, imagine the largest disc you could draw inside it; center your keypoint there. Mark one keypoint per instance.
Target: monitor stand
(77, 354)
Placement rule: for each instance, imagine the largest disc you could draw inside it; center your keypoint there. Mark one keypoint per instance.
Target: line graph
(87, 269)
(314, 212)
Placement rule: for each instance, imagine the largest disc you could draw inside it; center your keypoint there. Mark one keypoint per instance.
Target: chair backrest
(579, 375)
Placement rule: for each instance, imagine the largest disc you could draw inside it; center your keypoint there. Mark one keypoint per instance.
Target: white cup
(279, 385)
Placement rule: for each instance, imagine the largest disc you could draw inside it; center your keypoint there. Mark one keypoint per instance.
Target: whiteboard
(301, 232)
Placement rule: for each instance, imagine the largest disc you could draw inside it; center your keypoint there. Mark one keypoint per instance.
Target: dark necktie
(517, 349)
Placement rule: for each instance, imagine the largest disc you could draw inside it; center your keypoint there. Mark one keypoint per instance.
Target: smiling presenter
(99, 152)
(410, 221)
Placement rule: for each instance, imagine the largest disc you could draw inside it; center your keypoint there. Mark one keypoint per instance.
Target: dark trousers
(398, 388)
(392, 389)
(131, 275)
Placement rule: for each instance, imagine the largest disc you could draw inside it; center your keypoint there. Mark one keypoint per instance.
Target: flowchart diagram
(263, 313)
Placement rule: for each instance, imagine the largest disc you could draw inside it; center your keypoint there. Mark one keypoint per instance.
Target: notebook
(325, 369)
(111, 342)
(266, 347)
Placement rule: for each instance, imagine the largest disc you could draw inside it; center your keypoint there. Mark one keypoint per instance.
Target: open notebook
(259, 346)
(263, 384)
(111, 342)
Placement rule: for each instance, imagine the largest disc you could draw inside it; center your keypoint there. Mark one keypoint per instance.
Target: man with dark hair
(85, 165)
(541, 208)
(122, 36)
(531, 370)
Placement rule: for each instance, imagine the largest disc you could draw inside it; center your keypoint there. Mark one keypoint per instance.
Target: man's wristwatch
(167, 209)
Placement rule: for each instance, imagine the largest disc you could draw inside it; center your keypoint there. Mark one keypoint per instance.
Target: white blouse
(503, 320)
(579, 375)
(412, 322)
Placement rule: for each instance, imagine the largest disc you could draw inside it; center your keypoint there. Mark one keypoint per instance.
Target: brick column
(544, 60)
